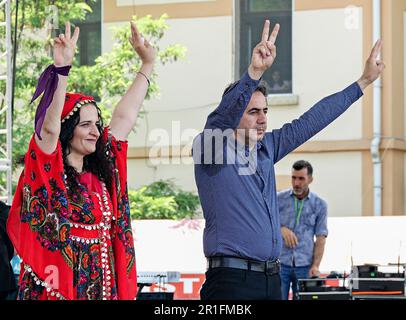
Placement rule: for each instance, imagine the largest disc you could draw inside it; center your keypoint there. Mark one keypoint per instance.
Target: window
(89, 42)
(251, 15)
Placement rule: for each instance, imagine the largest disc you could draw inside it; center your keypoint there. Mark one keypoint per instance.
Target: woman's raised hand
(143, 48)
(65, 46)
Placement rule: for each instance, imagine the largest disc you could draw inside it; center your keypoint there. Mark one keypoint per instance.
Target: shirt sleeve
(321, 220)
(120, 148)
(121, 231)
(292, 135)
(283, 209)
(233, 104)
(38, 223)
(37, 162)
(116, 150)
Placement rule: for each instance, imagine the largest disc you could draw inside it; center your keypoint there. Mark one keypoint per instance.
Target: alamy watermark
(210, 147)
(352, 18)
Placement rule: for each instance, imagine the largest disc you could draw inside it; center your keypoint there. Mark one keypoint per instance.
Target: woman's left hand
(143, 48)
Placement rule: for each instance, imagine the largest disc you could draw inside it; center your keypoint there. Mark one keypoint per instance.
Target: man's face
(253, 123)
(300, 181)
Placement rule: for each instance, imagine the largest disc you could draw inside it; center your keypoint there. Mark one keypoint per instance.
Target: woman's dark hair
(96, 162)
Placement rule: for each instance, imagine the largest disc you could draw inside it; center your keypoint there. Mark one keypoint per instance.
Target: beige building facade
(331, 39)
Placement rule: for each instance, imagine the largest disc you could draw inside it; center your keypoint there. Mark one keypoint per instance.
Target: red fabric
(123, 241)
(72, 100)
(91, 182)
(42, 243)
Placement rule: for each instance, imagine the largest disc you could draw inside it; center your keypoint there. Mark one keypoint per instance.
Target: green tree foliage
(107, 80)
(114, 71)
(162, 200)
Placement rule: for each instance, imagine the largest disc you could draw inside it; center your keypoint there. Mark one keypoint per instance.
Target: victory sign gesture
(264, 53)
(373, 67)
(65, 46)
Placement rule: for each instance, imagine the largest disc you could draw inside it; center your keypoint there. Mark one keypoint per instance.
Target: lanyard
(298, 211)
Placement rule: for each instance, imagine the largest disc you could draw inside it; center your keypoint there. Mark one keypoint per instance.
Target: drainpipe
(377, 91)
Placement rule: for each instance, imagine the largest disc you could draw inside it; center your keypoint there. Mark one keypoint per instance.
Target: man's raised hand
(373, 67)
(264, 53)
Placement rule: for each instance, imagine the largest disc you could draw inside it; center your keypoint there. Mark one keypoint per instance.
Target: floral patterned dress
(74, 244)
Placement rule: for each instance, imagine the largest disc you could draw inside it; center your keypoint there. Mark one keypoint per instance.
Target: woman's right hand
(65, 46)
(144, 49)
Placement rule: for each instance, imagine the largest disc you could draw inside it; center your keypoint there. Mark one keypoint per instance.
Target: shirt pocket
(310, 219)
(285, 219)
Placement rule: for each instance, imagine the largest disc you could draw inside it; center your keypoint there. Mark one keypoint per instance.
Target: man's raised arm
(235, 100)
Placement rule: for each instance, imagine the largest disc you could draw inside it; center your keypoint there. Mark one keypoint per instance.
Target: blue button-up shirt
(311, 222)
(239, 197)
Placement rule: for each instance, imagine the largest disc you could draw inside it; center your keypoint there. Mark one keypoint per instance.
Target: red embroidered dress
(75, 244)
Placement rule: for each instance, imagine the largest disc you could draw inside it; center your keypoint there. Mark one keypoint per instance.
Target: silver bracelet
(149, 83)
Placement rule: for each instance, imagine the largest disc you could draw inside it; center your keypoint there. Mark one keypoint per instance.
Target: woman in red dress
(70, 220)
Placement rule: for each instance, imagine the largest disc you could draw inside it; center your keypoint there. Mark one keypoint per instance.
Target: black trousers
(236, 284)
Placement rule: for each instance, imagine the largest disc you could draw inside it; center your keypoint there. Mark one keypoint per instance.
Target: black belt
(269, 267)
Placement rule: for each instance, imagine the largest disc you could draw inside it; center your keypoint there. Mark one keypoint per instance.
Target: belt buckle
(272, 267)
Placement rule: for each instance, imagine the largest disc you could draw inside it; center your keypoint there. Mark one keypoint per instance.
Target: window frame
(237, 22)
(85, 28)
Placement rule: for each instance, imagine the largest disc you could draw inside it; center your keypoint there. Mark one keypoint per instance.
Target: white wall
(163, 245)
(337, 179)
(189, 89)
(167, 245)
(404, 70)
(327, 57)
(404, 99)
(379, 240)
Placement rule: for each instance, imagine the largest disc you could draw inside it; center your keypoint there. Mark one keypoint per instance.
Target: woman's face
(86, 133)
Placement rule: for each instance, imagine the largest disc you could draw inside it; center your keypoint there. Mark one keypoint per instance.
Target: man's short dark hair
(262, 87)
(301, 164)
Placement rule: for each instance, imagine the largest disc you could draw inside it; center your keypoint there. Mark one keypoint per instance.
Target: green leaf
(162, 200)
(107, 80)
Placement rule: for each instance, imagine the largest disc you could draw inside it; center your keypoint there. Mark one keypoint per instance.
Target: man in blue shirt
(303, 216)
(234, 170)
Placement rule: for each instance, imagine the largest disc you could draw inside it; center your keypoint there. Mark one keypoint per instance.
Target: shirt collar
(309, 196)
